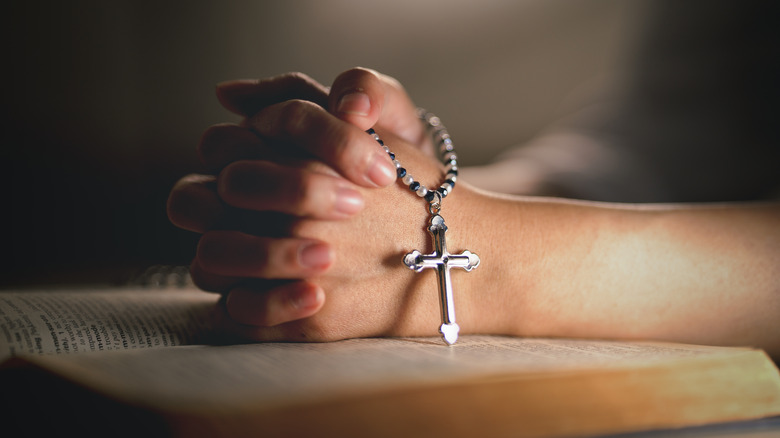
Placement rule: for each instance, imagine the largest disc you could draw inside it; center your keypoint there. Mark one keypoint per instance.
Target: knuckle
(339, 140)
(306, 229)
(244, 309)
(228, 253)
(174, 206)
(350, 140)
(224, 183)
(294, 116)
(205, 252)
(266, 186)
(263, 260)
(297, 228)
(230, 181)
(300, 84)
(207, 282)
(320, 167)
(296, 77)
(354, 155)
(343, 146)
(184, 194)
(302, 194)
(231, 253)
(268, 314)
(212, 138)
(216, 133)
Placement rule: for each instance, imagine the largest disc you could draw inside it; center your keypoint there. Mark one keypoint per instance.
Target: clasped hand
(303, 224)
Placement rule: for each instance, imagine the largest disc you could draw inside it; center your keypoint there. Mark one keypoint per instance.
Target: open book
(132, 361)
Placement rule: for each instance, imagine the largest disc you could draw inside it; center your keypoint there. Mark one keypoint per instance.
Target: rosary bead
(448, 158)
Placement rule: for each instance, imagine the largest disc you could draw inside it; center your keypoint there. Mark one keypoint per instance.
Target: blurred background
(106, 101)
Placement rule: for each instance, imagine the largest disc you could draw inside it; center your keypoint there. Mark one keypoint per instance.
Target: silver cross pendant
(442, 261)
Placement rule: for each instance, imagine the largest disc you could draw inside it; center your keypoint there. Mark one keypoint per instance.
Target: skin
(304, 233)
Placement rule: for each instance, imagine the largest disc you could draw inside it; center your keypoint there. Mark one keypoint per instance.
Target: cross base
(449, 332)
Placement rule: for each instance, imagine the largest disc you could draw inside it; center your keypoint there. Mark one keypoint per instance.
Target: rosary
(439, 259)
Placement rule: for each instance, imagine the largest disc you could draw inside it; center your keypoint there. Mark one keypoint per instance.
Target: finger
(248, 96)
(366, 98)
(225, 143)
(222, 144)
(258, 223)
(262, 185)
(211, 282)
(236, 254)
(193, 203)
(229, 328)
(284, 303)
(345, 148)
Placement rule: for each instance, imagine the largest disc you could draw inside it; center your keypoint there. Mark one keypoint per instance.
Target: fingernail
(348, 201)
(308, 298)
(315, 255)
(382, 171)
(356, 103)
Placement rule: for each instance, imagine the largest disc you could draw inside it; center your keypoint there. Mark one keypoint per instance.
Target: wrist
(523, 244)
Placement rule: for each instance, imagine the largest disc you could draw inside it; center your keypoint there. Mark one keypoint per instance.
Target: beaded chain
(447, 155)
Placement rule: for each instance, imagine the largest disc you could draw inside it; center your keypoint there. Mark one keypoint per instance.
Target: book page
(38, 322)
(227, 377)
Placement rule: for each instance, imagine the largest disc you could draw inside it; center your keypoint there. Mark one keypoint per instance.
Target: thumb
(366, 98)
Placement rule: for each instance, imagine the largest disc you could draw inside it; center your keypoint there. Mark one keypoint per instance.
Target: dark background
(105, 101)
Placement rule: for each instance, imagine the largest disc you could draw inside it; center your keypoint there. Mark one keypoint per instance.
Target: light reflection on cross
(443, 261)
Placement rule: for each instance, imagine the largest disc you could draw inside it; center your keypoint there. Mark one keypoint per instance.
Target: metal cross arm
(443, 261)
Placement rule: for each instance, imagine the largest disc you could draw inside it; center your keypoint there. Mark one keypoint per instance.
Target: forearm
(695, 274)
